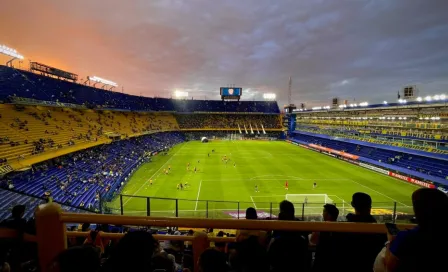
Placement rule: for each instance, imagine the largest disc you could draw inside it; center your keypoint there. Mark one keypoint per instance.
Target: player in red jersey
(286, 186)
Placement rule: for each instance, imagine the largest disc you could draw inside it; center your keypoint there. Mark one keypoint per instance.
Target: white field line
(197, 197)
(145, 182)
(379, 193)
(230, 210)
(255, 206)
(275, 179)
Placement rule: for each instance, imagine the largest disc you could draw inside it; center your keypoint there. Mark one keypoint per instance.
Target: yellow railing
(52, 233)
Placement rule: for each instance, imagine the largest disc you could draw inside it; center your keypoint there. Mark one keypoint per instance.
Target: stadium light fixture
(102, 80)
(385, 102)
(402, 101)
(436, 97)
(10, 52)
(428, 98)
(363, 104)
(180, 94)
(316, 108)
(419, 99)
(269, 96)
(442, 97)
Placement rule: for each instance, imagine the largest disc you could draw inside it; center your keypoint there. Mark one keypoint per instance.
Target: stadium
(96, 179)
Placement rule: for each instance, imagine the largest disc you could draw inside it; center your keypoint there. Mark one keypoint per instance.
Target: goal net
(309, 198)
(309, 204)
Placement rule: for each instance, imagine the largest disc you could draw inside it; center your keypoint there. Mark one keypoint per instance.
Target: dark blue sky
(360, 49)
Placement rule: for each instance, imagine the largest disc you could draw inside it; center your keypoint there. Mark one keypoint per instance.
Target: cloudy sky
(352, 49)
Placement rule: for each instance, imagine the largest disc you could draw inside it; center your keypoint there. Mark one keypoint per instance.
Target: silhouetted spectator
(161, 262)
(422, 248)
(327, 243)
(80, 258)
(251, 214)
(133, 253)
(16, 220)
(288, 250)
(361, 247)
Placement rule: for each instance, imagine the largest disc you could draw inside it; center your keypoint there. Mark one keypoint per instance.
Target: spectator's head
(133, 252)
(212, 260)
(85, 227)
(18, 211)
(75, 259)
(251, 213)
(287, 211)
(330, 212)
(161, 262)
(362, 203)
(430, 208)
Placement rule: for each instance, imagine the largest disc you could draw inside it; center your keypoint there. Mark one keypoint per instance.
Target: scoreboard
(231, 92)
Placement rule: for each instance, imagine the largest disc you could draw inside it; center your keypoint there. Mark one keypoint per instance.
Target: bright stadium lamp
(428, 98)
(10, 52)
(442, 97)
(419, 99)
(180, 94)
(385, 102)
(363, 104)
(436, 97)
(269, 96)
(101, 80)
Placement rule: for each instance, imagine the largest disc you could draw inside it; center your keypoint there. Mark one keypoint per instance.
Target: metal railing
(219, 209)
(52, 233)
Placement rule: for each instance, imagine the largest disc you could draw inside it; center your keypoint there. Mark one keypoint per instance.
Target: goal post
(312, 204)
(309, 198)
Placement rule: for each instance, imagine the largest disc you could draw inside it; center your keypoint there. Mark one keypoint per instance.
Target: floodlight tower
(290, 91)
(10, 52)
(101, 80)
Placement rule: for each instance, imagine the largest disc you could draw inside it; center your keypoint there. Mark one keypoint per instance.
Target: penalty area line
(197, 197)
(255, 206)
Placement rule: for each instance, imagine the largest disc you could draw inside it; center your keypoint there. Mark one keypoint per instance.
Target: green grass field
(218, 189)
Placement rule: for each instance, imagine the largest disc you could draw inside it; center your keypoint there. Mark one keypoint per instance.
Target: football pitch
(219, 190)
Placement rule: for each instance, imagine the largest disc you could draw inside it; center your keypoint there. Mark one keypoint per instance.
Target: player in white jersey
(314, 185)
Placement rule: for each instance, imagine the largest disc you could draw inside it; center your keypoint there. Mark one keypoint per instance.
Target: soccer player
(234, 164)
(208, 154)
(314, 185)
(195, 169)
(186, 184)
(181, 186)
(150, 182)
(198, 161)
(286, 186)
(306, 200)
(169, 167)
(178, 186)
(256, 188)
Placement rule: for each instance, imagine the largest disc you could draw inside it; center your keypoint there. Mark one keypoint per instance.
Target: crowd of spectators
(23, 84)
(82, 178)
(228, 121)
(422, 248)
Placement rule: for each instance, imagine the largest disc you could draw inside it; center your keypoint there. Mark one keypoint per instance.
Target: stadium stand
(18, 85)
(80, 179)
(228, 121)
